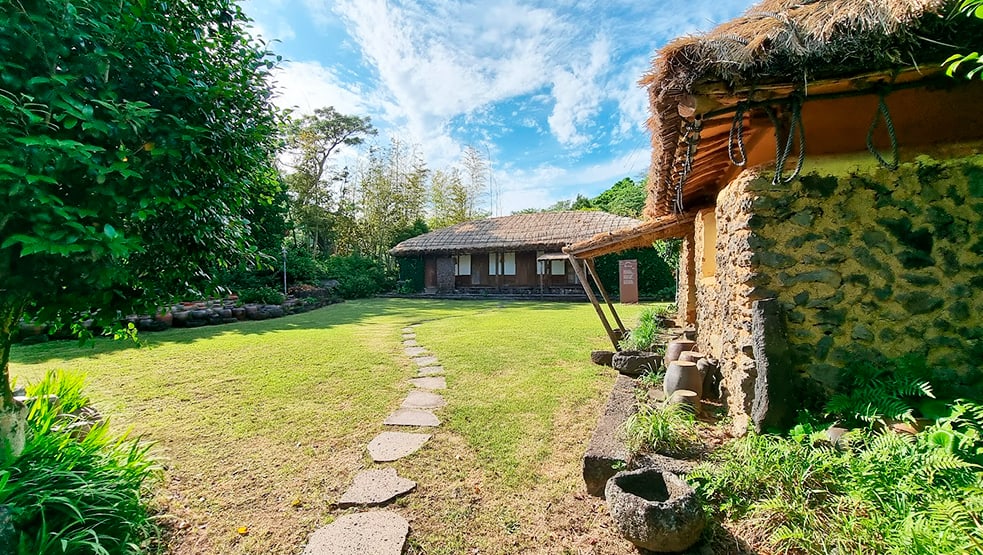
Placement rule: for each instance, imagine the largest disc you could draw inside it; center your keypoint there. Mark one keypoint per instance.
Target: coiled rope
(883, 111)
(782, 152)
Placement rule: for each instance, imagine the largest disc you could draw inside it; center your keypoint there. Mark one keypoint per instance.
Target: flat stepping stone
(430, 383)
(376, 532)
(409, 336)
(423, 400)
(412, 417)
(425, 361)
(375, 487)
(410, 343)
(408, 329)
(391, 446)
(415, 351)
(430, 371)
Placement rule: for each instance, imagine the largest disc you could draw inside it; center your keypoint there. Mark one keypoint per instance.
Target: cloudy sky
(548, 90)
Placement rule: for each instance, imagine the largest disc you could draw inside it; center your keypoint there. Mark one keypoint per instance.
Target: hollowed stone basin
(655, 510)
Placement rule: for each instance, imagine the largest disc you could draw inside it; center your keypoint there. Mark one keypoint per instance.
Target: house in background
(516, 255)
(826, 179)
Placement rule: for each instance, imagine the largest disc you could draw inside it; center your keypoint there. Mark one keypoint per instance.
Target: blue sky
(547, 89)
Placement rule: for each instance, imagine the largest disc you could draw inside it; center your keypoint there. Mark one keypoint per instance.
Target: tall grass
(70, 494)
(668, 429)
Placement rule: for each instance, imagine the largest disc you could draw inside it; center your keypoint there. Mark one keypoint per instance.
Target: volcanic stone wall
(875, 264)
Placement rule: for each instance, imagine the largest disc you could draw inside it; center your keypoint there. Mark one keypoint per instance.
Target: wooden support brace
(604, 293)
(582, 275)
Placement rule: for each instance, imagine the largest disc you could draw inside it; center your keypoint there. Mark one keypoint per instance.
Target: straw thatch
(547, 231)
(795, 42)
(642, 235)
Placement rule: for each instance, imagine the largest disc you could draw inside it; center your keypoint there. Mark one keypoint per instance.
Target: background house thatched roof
(547, 231)
(796, 42)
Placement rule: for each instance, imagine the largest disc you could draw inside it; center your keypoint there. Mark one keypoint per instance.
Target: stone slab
(775, 400)
(409, 336)
(430, 382)
(607, 451)
(418, 399)
(375, 532)
(412, 417)
(415, 351)
(408, 329)
(391, 446)
(430, 371)
(410, 343)
(425, 361)
(375, 487)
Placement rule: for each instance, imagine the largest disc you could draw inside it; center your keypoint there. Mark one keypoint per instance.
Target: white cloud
(305, 86)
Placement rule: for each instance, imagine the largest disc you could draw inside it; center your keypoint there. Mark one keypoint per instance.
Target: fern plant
(874, 393)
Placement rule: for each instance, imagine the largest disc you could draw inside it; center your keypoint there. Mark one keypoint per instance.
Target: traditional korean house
(517, 255)
(825, 177)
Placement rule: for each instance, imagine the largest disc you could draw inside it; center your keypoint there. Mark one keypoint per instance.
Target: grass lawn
(263, 425)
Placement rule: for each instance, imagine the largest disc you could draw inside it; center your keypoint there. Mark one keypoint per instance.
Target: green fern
(875, 393)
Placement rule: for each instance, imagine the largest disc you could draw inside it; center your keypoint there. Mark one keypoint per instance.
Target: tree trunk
(13, 415)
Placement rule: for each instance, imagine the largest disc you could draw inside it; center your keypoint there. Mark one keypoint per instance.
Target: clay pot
(676, 348)
(691, 356)
(655, 510)
(682, 375)
(688, 398)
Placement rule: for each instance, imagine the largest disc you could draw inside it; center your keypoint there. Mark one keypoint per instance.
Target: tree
(973, 8)
(312, 140)
(134, 135)
(625, 198)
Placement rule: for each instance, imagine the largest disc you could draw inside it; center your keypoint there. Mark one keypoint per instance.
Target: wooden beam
(604, 293)
(582, 275)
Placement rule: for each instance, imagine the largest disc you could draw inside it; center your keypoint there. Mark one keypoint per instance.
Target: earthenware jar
(682, 375)
(676, 348)
(691, 356)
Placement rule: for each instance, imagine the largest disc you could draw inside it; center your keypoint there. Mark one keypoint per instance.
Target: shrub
(644, 334)
(76, 495)
(359, 276)
(263, 295)
(875, 392)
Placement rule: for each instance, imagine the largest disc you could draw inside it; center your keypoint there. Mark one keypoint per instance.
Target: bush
(669, 429)
(644, 334)
(655, 278)
(359, 276)
(262, 295)
(70, 494)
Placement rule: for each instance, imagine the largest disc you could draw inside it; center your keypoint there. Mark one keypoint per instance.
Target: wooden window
(495, 259)
(558, 267)
(462, 265)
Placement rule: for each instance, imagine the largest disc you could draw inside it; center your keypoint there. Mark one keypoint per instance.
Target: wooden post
(582, 275)
(604, 293)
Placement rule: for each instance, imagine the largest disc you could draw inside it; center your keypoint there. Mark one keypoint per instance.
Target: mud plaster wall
(869, 265)
(686, 282)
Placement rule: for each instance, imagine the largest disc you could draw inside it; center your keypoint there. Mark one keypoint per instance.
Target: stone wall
(723, 306)
(867, 265)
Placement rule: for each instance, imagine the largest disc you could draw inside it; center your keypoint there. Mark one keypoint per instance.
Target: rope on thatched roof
(545, 231)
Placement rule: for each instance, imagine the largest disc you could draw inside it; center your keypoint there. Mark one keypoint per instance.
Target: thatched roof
(546, 231)
(798, 43)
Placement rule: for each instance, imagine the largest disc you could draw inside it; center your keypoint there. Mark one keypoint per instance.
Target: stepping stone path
(375, 532)
(430, 383)
(431, 371)
(423, 400)
(412, 417)
(375, 487)
(391, 446)
(385, 532)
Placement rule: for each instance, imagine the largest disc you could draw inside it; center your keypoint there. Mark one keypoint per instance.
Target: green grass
(263, 425)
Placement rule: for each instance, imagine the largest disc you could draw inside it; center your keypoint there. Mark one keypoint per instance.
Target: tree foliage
(135, 136)
(973, 67)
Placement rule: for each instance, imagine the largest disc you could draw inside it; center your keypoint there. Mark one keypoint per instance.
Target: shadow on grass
(408, 311)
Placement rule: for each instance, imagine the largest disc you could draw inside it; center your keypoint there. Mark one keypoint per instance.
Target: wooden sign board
(628, 280)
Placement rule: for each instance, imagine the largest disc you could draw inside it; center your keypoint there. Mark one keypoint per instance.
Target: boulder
(635, 363)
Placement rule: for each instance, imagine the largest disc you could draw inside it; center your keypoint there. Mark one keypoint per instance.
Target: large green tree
(134, 136)
(312, 140)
